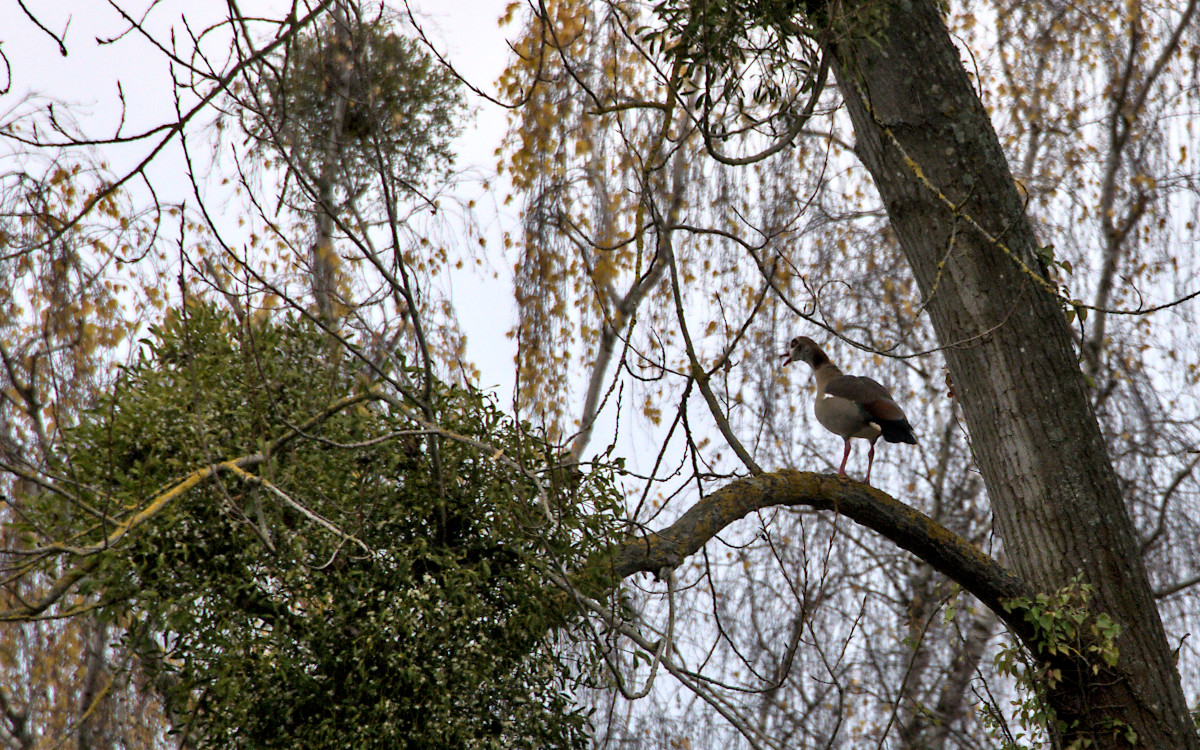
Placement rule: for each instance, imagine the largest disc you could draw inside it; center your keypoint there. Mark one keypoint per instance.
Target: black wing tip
(897, 431)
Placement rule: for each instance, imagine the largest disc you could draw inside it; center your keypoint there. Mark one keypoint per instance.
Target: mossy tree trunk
(927, 140)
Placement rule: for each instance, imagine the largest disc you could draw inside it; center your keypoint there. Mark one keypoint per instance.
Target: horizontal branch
(947, 552)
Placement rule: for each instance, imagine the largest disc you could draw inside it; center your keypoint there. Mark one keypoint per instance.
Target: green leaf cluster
(1071, 637)
(417, 617)
(718, 41)
(376, 97)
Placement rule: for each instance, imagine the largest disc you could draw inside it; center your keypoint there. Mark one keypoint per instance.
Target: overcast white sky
(465, 29)
(86, 81)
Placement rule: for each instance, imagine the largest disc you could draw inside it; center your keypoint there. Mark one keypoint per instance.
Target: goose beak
(787, 358)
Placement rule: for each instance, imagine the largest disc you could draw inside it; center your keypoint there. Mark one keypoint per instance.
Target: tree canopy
(255, 492)
(340, 574)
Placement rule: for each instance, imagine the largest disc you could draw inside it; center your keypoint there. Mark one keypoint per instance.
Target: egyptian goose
(852, 406)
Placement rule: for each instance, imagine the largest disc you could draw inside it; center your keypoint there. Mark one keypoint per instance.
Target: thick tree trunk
(936, 161)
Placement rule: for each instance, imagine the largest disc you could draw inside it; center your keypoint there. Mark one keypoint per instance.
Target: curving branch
(1011, 599)
(58, 39)
(947, 552)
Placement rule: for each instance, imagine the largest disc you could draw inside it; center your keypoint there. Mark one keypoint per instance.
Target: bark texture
(926, 138)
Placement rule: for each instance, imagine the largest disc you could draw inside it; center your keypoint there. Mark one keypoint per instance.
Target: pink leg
(845, 455)
(870, 460)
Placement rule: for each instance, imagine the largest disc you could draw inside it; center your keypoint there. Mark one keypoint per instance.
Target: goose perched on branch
(852, 406)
